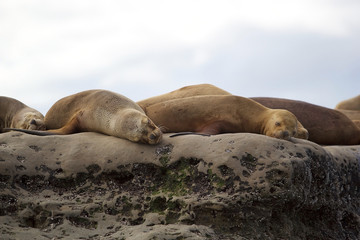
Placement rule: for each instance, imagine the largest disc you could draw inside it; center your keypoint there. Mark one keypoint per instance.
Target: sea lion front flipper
(33, 132)
(189, 133)
(70, 127)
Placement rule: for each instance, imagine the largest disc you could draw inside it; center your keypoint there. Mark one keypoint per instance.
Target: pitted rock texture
(229, 186)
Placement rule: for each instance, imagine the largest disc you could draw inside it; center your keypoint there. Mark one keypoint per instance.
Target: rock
(229, 186)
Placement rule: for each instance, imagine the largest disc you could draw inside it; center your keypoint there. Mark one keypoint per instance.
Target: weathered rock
(231, 186)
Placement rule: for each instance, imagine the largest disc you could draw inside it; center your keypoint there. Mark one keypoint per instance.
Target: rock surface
(230, 186)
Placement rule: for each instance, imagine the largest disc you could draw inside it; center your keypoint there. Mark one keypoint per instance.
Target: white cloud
(166, 43)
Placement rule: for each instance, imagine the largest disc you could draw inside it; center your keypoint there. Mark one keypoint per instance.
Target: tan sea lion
(15, 114)
(357, 123)
(352, 114)
(200, 90)
(350, 104)
(104, 112)
(326, 126)
(214, 114)
(188, 91)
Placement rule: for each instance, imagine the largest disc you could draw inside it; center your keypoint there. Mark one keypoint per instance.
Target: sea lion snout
(282, 134)
(37, 124)
(153, 137)
(285, 134)
(156, 136)
(152, 133)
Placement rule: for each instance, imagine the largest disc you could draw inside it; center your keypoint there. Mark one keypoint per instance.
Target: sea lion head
(140, 128)
(31, 121)
(281, 124)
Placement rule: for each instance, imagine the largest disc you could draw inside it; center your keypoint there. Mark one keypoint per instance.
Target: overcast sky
(307, 50)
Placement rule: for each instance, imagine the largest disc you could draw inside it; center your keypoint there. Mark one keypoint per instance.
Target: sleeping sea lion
(350, 104)
(326, 126)
(103, 112)
(214, 114)
(200, 90)
(15, 114)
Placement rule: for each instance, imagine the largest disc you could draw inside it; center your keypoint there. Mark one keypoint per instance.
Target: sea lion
(357, 123)
(104, 112)
(214, 114)
(188, 91)
(352, 114)
(15, 114)
(326, 126)
(350, 104)
(200, 90)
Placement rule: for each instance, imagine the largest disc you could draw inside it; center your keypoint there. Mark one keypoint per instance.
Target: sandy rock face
(230, 186)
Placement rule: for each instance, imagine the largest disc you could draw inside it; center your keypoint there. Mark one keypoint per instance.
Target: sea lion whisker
(162, 128)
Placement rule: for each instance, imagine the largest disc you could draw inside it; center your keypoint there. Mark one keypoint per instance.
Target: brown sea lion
(350, 104)
(214, 114)
(199, 90)
(15, 114)
(104, 112)
(326, 126)
(188, 91)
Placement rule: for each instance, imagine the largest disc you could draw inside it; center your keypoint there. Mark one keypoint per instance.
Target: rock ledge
(230, 186)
